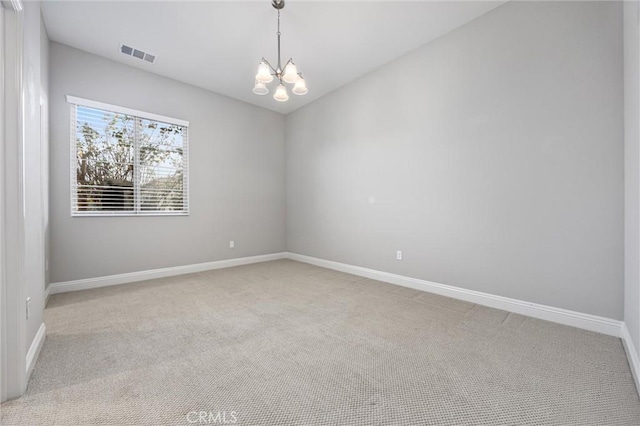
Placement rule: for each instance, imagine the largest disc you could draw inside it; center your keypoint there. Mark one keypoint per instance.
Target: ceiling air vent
(131, 51)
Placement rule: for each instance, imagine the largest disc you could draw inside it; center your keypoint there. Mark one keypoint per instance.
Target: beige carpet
(285, 343)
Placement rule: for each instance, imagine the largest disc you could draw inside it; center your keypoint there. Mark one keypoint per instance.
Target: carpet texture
(286, 343)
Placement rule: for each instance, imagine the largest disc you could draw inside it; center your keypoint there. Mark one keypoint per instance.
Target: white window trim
(123, 110)
(76, 101)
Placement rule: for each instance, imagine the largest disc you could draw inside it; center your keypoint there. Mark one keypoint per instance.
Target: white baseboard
(589, 322)
(562, 316)
(63, 287)
(584, 321)
(34, 349)
(47, 294)
(632, 355)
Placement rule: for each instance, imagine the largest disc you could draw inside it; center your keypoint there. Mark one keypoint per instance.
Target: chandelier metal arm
(270, 66)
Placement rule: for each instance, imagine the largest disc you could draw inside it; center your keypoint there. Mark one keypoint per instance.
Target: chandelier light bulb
(281, 94)
(290, 73)
(260, 88)
(300, 88)
(264, 73)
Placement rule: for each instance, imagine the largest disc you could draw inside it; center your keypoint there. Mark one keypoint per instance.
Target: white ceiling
(217, 45)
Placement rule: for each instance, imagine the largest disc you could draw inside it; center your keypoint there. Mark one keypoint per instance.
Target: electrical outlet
(28, 306)
(232, 244)
(399, 255)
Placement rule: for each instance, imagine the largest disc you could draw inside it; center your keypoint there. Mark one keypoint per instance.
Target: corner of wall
(631, 44)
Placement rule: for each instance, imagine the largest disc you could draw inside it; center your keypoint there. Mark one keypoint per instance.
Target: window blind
(127, 162)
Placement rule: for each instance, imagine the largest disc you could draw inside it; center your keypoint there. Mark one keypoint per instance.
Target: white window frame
(75, 101)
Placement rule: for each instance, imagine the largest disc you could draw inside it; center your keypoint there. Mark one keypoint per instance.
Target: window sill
(128, 214)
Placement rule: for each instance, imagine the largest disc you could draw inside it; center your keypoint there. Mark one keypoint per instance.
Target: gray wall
(493, 157)
(236, 175)
(632, 170)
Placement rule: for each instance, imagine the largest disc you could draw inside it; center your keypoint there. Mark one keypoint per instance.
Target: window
(126, 162)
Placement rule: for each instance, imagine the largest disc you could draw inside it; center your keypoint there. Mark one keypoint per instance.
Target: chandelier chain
(279, 61)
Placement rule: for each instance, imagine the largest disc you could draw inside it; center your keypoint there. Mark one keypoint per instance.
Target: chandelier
(288, 74)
